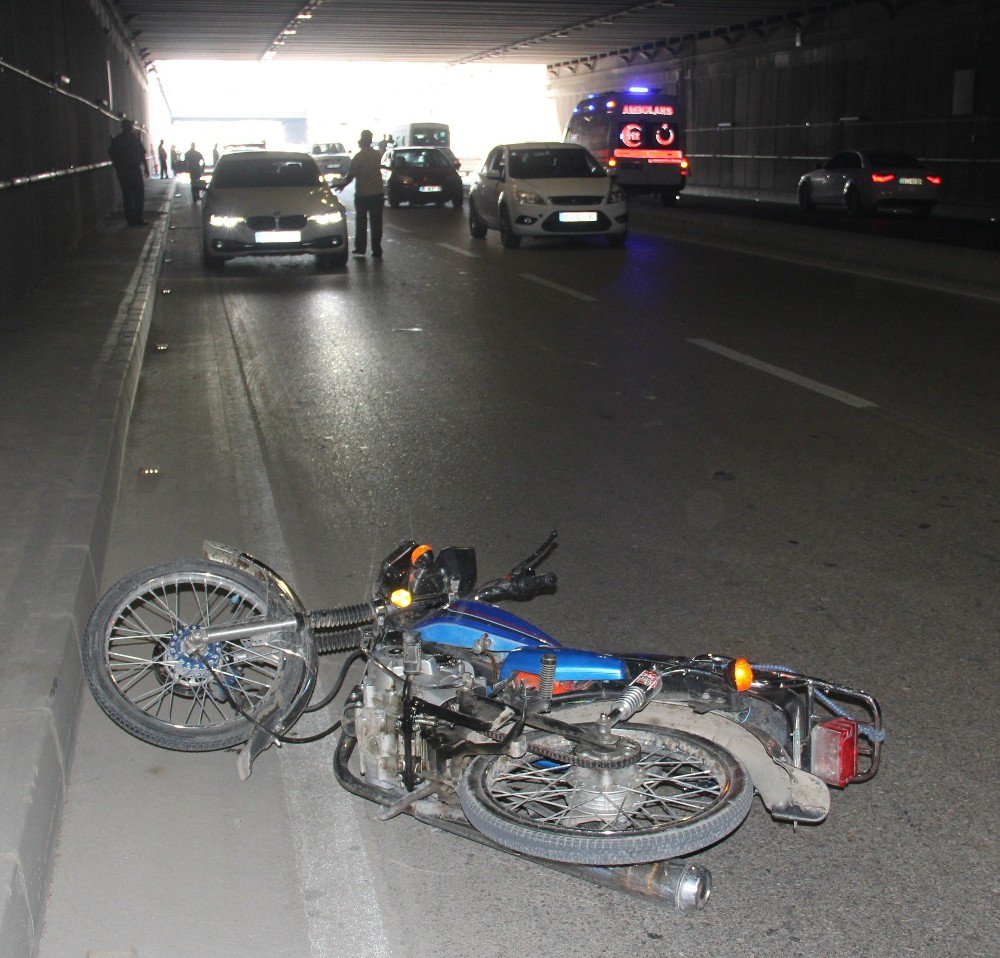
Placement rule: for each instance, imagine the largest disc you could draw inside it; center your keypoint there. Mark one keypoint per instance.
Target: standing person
(215, 155)
(161, 155)
(368, 200)
(194, 163)
(128, 156)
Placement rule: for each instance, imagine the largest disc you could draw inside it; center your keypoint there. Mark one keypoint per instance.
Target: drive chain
(628, 749)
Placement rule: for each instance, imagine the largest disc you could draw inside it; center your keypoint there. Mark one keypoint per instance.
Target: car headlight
(326, 219)
(227, 222)
(617, 195)
(533, 199)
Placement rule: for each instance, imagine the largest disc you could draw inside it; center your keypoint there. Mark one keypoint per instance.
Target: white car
(546, 190)
(269, 203)
(863, 182)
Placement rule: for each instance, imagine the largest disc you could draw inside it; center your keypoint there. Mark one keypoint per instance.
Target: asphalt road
(740, 455)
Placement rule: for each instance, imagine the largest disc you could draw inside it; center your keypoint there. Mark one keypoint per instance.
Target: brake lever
(526, 567)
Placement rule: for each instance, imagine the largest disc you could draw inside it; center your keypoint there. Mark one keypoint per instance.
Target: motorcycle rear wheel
(139, 673)
(682, 795)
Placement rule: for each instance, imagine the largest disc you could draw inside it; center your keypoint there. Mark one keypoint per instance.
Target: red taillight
(835, 751)
(931, 178)
(685, 166)
(883, 177)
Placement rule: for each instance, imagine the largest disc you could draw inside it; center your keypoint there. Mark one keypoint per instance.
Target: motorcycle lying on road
(469, 718)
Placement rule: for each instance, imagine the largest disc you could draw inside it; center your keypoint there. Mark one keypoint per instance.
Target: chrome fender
(789, 793)
(282, 716)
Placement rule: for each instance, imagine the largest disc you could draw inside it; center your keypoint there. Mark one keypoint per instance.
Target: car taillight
(834, 747)
(883, 177)
(684, 167)
(931, 178)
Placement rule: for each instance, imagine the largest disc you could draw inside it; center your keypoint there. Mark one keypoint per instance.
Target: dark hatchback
(420, 175)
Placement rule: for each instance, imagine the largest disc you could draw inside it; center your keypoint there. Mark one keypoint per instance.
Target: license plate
(578, 217)
(910, 181)
(280, 236)
(430, 189)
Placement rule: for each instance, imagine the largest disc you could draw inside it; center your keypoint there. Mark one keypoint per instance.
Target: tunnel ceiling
(453, 31)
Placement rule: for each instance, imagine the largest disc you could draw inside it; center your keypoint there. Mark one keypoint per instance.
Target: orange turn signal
(739, 674)
(418, 552)
(401, 598)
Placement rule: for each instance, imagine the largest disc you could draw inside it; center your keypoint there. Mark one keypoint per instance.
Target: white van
(422, 134)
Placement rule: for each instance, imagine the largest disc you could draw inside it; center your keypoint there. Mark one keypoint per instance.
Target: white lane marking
(398, 229)
(458, 249)
(791, 377)
(583, 297)
(341, 907)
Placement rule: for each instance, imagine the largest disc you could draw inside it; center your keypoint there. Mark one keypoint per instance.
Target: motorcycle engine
(378, 720)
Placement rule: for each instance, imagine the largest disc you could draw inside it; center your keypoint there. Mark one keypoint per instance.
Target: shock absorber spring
(345, 617)
(546, 675)
(642, 688)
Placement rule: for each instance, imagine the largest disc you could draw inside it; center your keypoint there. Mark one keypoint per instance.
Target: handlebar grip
(531, 585)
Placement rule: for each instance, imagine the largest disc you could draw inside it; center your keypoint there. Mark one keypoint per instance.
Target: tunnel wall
(56, 181)
(920, 76)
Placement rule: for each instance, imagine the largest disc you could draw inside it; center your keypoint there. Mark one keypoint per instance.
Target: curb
(39, 708)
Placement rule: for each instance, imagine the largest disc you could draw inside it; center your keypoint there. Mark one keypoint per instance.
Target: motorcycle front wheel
(682, 794)
(153, 686)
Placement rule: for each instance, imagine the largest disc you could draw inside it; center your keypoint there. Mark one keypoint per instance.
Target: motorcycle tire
(136, 668)
(683, 794)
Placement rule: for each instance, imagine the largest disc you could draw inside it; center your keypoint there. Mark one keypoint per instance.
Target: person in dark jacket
(128, 156)
(194, 163)
(161, 155)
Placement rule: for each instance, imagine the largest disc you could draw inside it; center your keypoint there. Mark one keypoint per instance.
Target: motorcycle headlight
(617, 195)
(227, 222)
(326, 219)
(525, 196)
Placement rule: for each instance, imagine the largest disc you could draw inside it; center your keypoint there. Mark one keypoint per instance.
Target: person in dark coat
(128, 156)
(194, 163)
(161, 155)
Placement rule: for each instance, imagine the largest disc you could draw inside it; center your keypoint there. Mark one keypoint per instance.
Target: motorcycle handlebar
(517, 587)
(526, 587)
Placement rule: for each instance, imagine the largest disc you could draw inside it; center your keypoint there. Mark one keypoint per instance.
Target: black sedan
(420, 174)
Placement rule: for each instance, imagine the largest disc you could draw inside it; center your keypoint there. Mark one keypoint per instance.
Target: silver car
(546, 190)
(267, 203)
(863, 181)
(333, 161)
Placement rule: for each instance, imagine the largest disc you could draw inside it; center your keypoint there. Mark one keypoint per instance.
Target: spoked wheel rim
(151, 668)
(683, 793)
